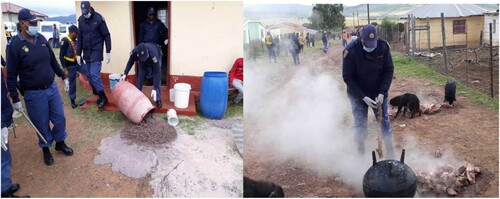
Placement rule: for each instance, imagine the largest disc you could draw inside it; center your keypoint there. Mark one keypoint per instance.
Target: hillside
(63, 19)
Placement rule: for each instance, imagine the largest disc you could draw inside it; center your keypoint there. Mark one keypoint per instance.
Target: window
(458, 26)
(62, 29)
(48, 28)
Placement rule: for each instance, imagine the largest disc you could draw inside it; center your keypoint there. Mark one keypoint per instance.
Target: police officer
(67, 57)
(8, 188)
(153, 31)
(30, 57)
(367, 70)
(270, 47)
(93, 33)
(149, 56)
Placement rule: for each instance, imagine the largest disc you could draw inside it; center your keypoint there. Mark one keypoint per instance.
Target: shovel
(379, 149)
(38, 132)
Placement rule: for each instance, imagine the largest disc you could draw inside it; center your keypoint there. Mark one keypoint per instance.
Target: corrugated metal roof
(13, 8)
(449, 10)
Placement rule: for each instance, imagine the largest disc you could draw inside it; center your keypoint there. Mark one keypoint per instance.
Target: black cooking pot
(389, 178)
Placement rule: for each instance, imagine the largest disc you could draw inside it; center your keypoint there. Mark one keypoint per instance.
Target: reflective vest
(268, 40)
(73, 46)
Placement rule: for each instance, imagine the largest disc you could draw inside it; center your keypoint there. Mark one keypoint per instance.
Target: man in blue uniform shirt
(30, 57)
(153, 31)
(67, 57)
(149, 56)
(93, 33)
(368, 70)
(8, 188)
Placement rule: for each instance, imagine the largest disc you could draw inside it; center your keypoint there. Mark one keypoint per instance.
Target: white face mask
(368, 49)
(87, 15)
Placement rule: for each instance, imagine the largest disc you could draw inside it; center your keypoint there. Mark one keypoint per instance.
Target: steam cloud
(298, 114)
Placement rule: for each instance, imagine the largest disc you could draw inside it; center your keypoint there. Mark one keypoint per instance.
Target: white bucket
(113, 80)
(172, 95)
(172, 118)
(181, 95)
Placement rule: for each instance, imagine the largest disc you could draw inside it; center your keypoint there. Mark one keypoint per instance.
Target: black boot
(101, 103)
(158, 104)
(61, 146)
(9, 193)
(73, 104)
(47, 157)
(94, 91)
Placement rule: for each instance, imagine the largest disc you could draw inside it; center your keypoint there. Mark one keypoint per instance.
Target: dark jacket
(6, 106)
(367, 74)
(153, 32)
(34, 63)
(67, 50)
(92, 33)
(154, 56)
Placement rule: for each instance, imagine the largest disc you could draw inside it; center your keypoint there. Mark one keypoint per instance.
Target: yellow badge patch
(372, 35)
(26, 49)
(345, 53)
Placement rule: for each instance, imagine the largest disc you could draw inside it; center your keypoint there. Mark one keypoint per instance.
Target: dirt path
(74, 176)
(468, 133)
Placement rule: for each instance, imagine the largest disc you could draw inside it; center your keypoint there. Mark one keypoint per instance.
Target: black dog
(449, 91)
(406, 101)
(261, 189)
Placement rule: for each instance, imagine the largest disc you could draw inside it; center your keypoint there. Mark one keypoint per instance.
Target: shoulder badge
(62, 42)
(388, 44)
(345, 53)
(103, 19)
(26, 49)
(155, 60)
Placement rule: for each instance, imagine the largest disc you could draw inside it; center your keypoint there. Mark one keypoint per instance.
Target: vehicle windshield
(62, 29)
(47, 28)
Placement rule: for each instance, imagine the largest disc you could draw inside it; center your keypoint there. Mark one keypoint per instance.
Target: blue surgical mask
(368, 49)
(32, 30)
(87, 15)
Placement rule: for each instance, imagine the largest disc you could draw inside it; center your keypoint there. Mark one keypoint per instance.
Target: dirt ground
(73, 176)
(80, 176)
(469, 131)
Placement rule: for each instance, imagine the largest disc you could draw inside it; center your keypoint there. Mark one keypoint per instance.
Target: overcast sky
(52, 8)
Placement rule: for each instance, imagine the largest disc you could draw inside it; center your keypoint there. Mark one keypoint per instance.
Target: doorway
(139, 9)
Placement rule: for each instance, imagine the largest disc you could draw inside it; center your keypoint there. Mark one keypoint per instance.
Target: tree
(327, 17)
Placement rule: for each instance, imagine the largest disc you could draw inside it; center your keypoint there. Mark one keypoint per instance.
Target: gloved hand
(122, 78)
(79, 60)
(108, 58)
(4, 138)
(153, 95)
(18, 106)
(166, 41)
(5, 135)
(66, 85)
(370, 102)
(380, 99)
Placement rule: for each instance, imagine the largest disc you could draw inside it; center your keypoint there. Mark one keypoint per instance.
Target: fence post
(444, 45)
(428, 36)
(491, 61)
(414, 36)
(407, 34)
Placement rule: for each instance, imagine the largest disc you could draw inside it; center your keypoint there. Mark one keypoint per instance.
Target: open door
(139, 9)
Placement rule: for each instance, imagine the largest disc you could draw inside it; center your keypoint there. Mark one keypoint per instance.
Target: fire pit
(389, 178)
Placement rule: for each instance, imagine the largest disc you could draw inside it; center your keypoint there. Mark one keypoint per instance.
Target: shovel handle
(38, 132)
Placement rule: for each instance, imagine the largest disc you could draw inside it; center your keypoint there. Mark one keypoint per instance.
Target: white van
(11, 27)
(46, 28)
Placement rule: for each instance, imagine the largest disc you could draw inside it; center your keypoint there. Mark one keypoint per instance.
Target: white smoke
(304, 115)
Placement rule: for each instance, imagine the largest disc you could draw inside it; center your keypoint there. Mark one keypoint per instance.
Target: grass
(234, 110)
(405, 67)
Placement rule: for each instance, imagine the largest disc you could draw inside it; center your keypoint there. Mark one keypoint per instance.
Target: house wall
(3, 38)
(205, 36)
(487, 20)
(121, 28)
(474, 25)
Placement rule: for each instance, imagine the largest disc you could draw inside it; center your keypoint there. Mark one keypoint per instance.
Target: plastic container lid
(182, 87)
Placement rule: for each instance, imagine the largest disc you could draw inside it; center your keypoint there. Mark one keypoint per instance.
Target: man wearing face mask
(367, 70)
(30, 57)
(153, 31)
(92, 34)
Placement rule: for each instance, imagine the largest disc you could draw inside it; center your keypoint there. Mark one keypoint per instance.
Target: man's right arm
(130, 63)
(349, 75)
